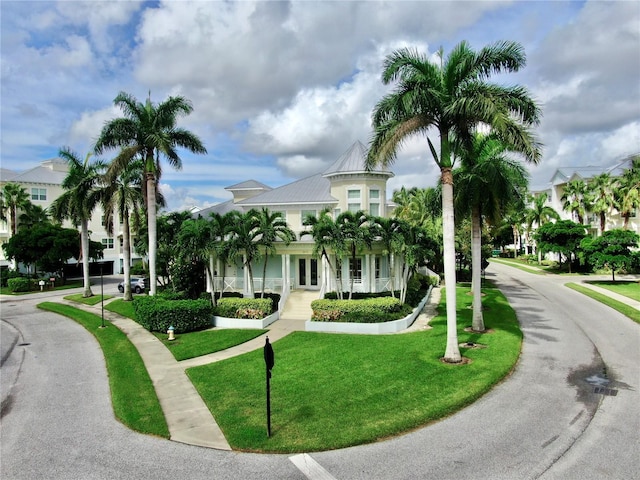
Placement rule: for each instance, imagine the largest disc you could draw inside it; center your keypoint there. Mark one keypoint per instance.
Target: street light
(102, 294)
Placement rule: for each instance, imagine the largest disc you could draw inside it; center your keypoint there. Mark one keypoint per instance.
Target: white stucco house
(345, 185)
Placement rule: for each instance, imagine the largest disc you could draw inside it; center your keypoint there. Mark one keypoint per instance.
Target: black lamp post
(102, 295)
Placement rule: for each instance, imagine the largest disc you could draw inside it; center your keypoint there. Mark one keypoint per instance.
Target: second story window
(374, 203)
(306, 213)
(107, 243)
(38, 194)
(353, 200)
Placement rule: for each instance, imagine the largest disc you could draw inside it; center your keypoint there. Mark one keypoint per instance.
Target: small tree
(610, 250)
(563, 237)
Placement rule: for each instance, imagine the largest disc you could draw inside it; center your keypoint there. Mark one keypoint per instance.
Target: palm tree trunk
(126, 242)
(264, 273)
(603, 221)
(477, 324)
(152, 229)
(84, 245)
(452, 352)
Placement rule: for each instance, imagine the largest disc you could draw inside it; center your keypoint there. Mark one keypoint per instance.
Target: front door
(308, 274)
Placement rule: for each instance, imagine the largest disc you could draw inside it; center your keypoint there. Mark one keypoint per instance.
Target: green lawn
(121, 307)
(332, 390)
(512, 262)
(629, 289)
(94, 300)
(623, 308)
(133, 396)
(196, 344)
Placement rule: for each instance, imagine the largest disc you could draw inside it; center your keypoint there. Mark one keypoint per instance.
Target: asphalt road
(543, 422)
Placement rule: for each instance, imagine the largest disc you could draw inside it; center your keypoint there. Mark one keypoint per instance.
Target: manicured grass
(629, 289)
(627, 310)
(332, 390)
(520, 265)
(132, 393)
(94, 300)
(69, 285)
(121, 307)
(196, 344)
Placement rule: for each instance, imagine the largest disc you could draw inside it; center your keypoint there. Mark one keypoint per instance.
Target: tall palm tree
(575, 199)
(123, 196)
(81, 196)
(538, 214)
(149, 132)
(627, 192)
(600, 190)
(243, 236)
(33, 215)
(454, 97)
(356, 234)
(327, 237)
(271, 228)
(13, 198)
(487, 182)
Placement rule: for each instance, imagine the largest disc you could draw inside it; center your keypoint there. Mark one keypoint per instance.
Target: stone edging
(226, 322)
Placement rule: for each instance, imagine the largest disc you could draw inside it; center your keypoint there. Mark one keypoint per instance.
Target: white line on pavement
(310, 468)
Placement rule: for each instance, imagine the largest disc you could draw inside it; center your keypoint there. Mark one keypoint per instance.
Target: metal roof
(352, 161)
(314, 189)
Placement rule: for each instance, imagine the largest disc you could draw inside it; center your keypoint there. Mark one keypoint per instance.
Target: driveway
(544, 421)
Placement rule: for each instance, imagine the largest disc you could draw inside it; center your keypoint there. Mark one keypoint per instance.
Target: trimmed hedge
(157, 314)
(19, 284)
(254, 308)
(370, 310)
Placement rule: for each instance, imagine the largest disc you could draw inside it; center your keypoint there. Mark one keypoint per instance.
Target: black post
(269, 361)
(102, 295)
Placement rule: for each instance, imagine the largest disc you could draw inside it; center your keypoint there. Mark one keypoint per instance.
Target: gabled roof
(248, 185)
(52, 172)
(6, 175)
(221, 208)
(352, 161)
(314, 189)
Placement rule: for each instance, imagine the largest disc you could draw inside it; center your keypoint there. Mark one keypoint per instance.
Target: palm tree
(123, 195)
(356, 234)
(575, 199)
(220, 225)
(33, 215)
(13, 198)
(148, 132)
(271, 228)
(627, 193)
(388, 231)
(455, 97)
(601, 197)
(82, 195)
(538, 214)
(243, 236)
(487, 182)
(327, 237)
(197, 242)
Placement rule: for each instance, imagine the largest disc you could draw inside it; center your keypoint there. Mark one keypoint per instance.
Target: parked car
(138, 285)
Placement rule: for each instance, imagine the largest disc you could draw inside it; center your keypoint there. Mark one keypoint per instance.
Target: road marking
(310, 468)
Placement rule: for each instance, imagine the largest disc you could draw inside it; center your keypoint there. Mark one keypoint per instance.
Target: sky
(281, 89)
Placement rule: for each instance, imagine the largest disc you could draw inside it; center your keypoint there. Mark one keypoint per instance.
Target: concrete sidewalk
(620, 298)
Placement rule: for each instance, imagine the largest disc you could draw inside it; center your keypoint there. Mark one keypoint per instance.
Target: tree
(416, 248)
(611, 250)
(601, 197)
(488, 181)
(563, 237)
(123, 195)
(32, 216)
(47, 246)
(196, 242)
(271, 227)
(243, 236)
(326, 237)
(148, 132)
(80, 197)
(356, 234)
(220, 225)
(13, 198)
(538, 214)
(388, 231)
(627, 192)
(455, 97)
(575, 199)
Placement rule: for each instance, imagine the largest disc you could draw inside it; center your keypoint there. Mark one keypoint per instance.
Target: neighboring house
(563, 175)
(345, 185)
(44, 184)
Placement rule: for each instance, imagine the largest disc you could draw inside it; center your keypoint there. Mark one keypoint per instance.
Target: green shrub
(137, 269)
(157, 314)
(6, 274)
(357, 295)
(19, 284)
(371, 310)
(231, 307)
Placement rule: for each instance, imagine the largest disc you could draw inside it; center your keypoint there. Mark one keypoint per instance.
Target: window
(38, 194)
(306, 213)
(107, 243)
(355, 269)
(374, 195)
(374, 203)
(283, 214)
(377, 260)
(353, 197)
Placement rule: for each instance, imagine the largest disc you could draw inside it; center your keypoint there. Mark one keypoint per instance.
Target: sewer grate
(612, 392)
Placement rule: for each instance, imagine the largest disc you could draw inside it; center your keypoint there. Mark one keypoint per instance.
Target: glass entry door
(308, 272)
